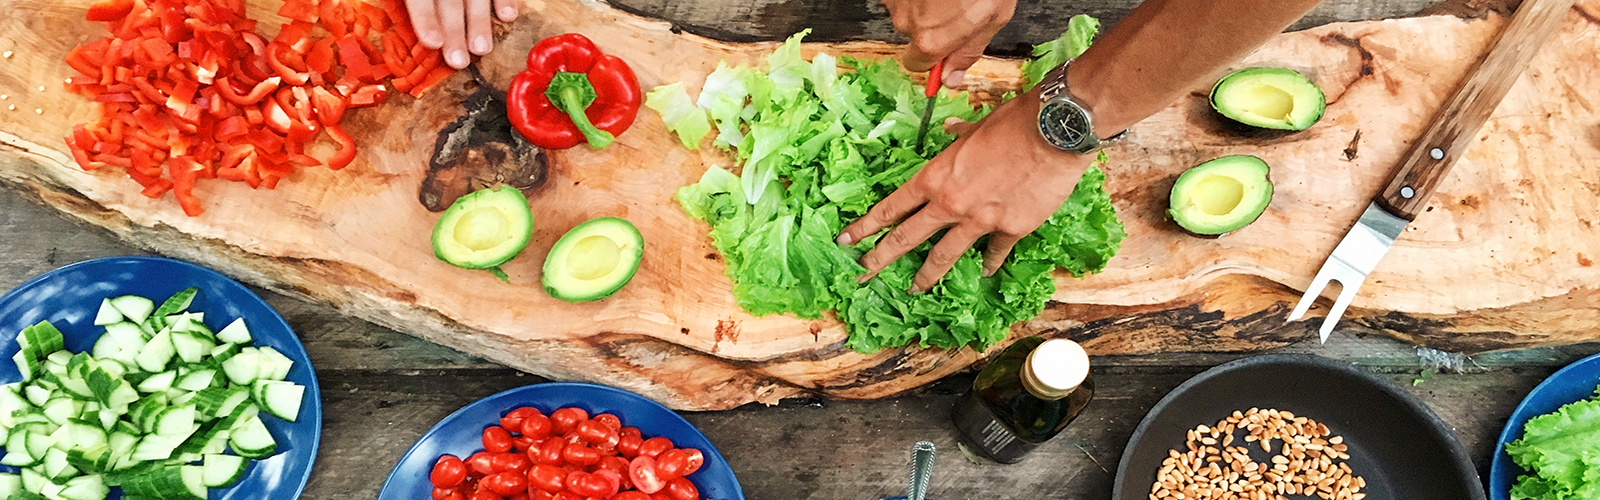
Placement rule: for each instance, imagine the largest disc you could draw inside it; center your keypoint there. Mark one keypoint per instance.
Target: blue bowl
(70, 296)
(461, 434)
(1574, 383)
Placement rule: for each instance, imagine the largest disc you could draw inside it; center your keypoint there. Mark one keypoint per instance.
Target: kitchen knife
(932, 91)
(1431, 156)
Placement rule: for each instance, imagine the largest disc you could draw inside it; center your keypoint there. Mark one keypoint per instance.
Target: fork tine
(1312, 292)
(1347, 292)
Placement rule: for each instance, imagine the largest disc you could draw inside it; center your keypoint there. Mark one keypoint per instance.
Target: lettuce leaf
(679, 113)
(1080, 31)
(1562, 450)
(820, 142)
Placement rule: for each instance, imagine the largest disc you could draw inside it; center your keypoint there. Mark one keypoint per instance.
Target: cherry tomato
(567, 495)
(536, 426)
(448, 472)
(590, 485)
(696, 459)
(654, 446)
(630, 431)
(628, 445)
(618, 465)
(672, 463)
(506, 483)
(564, 420)
(513, 420)
(642, 472)
(550, 452)
(682, 489)
(519, 496)
(597, 434)
(448, 494)
(547, 477)
(578, 454)
(537, 494)
(510, 462)
(496, 440)
(609, 420)
(613, 481)
(481, 463)
(629, 495)
(522, 443)
(660, 495)
(485, 495)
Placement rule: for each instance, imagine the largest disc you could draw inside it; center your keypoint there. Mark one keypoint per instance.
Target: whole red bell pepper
(571, 92)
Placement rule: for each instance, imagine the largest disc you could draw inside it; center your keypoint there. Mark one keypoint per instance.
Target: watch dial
(1064, 125)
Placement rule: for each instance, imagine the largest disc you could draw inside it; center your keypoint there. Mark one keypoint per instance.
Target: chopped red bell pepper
(571, 93)
(109, 10)
(347, 147)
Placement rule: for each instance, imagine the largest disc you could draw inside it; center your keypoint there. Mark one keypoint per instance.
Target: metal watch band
(1054, 84)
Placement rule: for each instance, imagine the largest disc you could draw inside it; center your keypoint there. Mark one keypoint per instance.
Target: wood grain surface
(356, 239)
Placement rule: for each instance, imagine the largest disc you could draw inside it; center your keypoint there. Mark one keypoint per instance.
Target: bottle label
(996, 436)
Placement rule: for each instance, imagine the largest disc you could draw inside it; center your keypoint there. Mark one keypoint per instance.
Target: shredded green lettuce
(818, 143)
(679, 113)
(1080, 31)
(1562, 452)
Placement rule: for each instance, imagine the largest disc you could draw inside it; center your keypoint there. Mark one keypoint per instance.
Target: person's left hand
(457, 27)
(999, 178)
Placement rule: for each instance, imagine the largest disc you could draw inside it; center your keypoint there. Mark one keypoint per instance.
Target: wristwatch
(1063, 122)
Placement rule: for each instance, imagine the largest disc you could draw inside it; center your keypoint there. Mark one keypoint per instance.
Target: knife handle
(1430, 157)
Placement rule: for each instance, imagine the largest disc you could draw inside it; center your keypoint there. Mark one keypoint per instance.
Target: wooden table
(383, 389)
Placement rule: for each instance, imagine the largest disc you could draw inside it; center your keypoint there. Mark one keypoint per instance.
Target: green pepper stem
(571, 102)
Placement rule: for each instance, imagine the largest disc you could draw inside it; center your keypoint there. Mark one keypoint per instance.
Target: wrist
(1096, 96)
(1021, 115)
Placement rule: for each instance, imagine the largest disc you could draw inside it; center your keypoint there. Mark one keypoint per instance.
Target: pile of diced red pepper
(187, 89)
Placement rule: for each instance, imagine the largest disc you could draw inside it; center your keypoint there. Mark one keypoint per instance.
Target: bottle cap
(1055, 369)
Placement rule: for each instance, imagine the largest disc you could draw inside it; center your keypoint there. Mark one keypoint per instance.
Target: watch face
(1064, 125)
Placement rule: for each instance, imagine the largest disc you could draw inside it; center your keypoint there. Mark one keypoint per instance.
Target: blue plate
(70, 296)
(1574, 383)
(461, 434)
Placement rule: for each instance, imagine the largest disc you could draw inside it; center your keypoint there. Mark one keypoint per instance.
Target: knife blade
(1430, 157)
(931, 90)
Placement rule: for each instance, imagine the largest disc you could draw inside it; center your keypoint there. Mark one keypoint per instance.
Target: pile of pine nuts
(1310, 462)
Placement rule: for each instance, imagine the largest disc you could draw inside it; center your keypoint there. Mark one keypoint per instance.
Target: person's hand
(954, 31)
(456, 27)
(999, 179)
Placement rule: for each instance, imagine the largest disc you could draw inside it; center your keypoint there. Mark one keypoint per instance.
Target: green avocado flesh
(593, 260)
(1221, 195)
(483, 229)
(1274, 98)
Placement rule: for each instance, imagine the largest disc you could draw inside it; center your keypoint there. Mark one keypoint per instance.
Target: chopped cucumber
(108, 314)
(221, 471)
(235, 333)
(281, 399)
(252, 440)
(10, 484)
(133, 307)
(159, 382)
(153, 357)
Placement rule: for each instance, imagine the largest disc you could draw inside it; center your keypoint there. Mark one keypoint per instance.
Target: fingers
(453, 23)
(886, 213)
(956, 64)
(944, 256)
(902, 239)
(480, 27)
(506, 9)
(925, 49)
(999, 247)
(425, 19)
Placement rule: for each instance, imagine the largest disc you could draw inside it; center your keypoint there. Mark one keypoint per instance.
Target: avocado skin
(1302, 84)
(559, 285)
(1177, 201)
(507, 198)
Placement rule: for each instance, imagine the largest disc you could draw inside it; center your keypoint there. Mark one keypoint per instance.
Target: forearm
(1164, 48)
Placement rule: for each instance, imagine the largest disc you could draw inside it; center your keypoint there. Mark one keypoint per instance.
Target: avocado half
(483, 229)
(1221, 195)
(593, 260)
(1274, 98)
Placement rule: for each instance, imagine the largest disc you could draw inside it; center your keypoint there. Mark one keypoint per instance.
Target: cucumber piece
(175, 421)
(17, 451)
(153, 357)
(221, 471)
(93, 461)
(32, 481)
(174, 305)
(107, 418)
(42, 337)
(281, 399)
(106, 347)
(235, 333)
(159, 382)
(27, 364)
(85, 435)
(60, 409)
(121, 397)
(234, 403)
(92, 487)
(56, 360)
(107, 314)
(133, 307)
(39, 444)
(36, 395)
(10, 484)
(252, 440)
(56, 467)
(191, 347)
(155, 447)
(274, 365)
(163, 482)
(223, 353)
(121, 443)
(142, 412)
(208, 400)
(244, 367)
(194, 480)
(11, 403)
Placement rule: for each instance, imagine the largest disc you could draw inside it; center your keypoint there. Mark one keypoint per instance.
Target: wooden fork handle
(1431, 155)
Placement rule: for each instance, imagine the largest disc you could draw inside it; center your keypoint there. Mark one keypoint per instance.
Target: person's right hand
(456, 27)
(954, 31)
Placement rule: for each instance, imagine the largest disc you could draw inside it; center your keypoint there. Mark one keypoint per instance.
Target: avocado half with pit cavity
(593, 260)
(1274, 98)
(483, 229)
(1221, 195)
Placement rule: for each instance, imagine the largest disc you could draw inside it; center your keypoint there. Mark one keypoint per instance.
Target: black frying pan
(1402, 449)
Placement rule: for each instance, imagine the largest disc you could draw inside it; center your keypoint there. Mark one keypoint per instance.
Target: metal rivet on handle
(1437, 154)
(1406, 192)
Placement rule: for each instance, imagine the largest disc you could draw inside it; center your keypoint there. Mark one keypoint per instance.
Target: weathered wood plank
(1035, 21)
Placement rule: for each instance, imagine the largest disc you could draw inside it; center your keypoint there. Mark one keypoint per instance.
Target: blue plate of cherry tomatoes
(563, 441)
